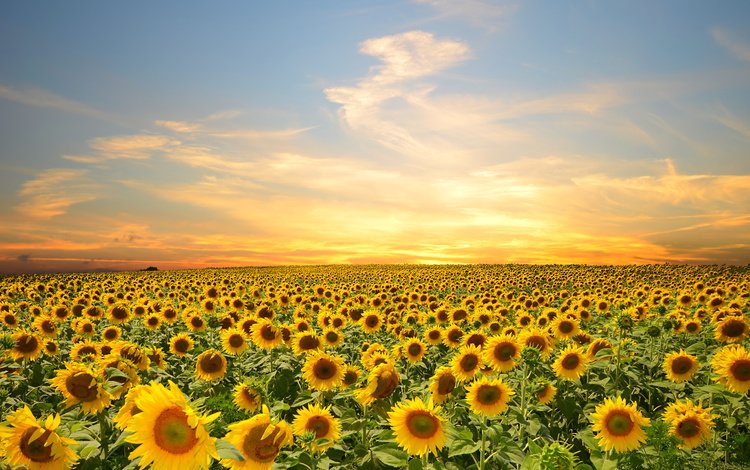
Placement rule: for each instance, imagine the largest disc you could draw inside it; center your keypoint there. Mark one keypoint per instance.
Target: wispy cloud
(729, 41)
(129, 147)
(39, 98)
(484, 13)
(52, 192)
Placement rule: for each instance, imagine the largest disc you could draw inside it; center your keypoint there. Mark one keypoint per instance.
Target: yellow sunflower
(46, 326)
(80, 384)
(210, 365)
(442, 384)
(111, 333)
(247, 397)
(546, 393)
(418, 426)
(259, 440)
(119, 313)
(26, 345)
(536, 338)
(371, 321)
(29, 444)
(332, 337)
(680, 366)
(168, 432)
(323, 371)
(181, 344)
(731, 329)
(692, 424)
(128, 409)
(571, 363)
(321, 423)
(433, 336)
(351, 375)
(732, 364)
(414, 350)
(564, 328)
(467, 363)
(619, 425)
(453, 336)
(488, 397)
(265, 334)
(501, 353)
(381, 383)
(233, 341)
(307, 342)
(125, 381)
(85, 348)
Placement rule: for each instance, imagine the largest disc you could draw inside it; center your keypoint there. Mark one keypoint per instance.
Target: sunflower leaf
(391, 455)
(227, 450)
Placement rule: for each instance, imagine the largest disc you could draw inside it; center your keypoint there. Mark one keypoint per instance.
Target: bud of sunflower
(653, 331)
(531, 356)
(556, 456)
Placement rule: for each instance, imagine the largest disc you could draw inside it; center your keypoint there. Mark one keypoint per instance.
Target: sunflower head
(571, 363)
(26, 345)
(680, 366)
(732, 363)
(247, 397)
(233, 341)
(259, 440)
(181, 344)
(323, 371)
(501, 353)
(488, 397)
(381, 383)
(325, 429)
(82, 384)
(442, 384)
(619, 425)
(467, 363)
(210, 365)
(28, 443)
(418, 427)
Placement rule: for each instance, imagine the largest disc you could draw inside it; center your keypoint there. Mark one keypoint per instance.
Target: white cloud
(39, 98)
(52, 192)
(484, 13)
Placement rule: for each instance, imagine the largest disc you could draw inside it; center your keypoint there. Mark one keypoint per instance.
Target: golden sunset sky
(186, 134)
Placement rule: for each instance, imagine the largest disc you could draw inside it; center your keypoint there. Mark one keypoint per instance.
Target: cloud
(52, 192)
(135, 147)
(729, 41)
(38, 98)
(179, 126)
(483, 13)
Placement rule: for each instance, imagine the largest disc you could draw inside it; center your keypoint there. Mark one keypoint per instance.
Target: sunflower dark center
(27, 344)
(260, 450)
(83, 386)
(536, 342)
(565, 327)
(211, 363)
(172, 433)
(446, 384)
(619, 423)
(740, 370)
(35, 450)
(570, 362)
(48, 326)
(682, 365)
(268, 332)
(236, 341)
(319, 425)
(688, 428)
(477, 340)
(469, 362)
(422, 424)
(455, 335)
(324, 369)
(733, 328)
(309, 342)
(434, 335)
(371, 321)
(414, 349)
(387, 383)
(504, 351)
(489, 394)
(182, 345)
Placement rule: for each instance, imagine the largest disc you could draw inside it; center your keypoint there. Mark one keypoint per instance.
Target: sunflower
(84, 349)
(433, 336)
(442, 384)
(305, 343)
(488, 397)
(732, 363)
(134, 354)
(452, 336)
(152, 321)
(692, 424)
(265, 334)
(418, 426)
(323, 371)
(247, 397)
(680, 366)
(29, 444)
(320, 422)
(111, 333)
(332, 337)
(80, 384)
(259, 441)
(168, 432)
(46, 326)
(10, 320)
(414, 349)
(210, 365)
(127, 378)
(535, 338)
(731, 329)
(128, 409)
(181, 344)
(26, 345)
(381, 383)
(371, 321)
(618, 425)
(467, 363)
(565, 328)
(545, 393)
(195, 323)
(501, 353)
(571, 363)
(233, 341)
(597, 345)
(51, 348)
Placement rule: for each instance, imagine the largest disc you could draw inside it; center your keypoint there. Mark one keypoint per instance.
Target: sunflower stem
(481, 449)
(103, 435)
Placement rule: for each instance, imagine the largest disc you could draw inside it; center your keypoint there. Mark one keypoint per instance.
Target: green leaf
(391, 455)
(462, 447)
(227, 450)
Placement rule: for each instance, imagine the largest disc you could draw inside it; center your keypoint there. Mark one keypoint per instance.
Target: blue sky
(191, 134)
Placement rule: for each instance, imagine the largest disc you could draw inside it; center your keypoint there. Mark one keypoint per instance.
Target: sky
(183, 134)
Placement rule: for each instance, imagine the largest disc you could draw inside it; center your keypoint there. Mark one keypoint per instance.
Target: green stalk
(103, 435)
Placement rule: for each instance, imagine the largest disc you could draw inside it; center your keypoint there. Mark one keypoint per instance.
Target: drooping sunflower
(619, 425)
(134, 353)
(732, 363)
(128, 377)
(320, 422)
(571, 363)
(536, 338)
(259, 440)
(442, 384)
(210, 365)
(29, 444)
(467, 363)
(168, 433)
(597, 345)
(26, 345)
(323, 371)
(501, 353)
(546, 393)
(381, 383)
(84, 349)
(418, 426)
(81, 384)
(680, 366)
(233, 341)
(265, 334)
(181, 344)
(731, 329)
(247, 397)
(691, 423)
(488, 397)
(119, 313)
(414, 349)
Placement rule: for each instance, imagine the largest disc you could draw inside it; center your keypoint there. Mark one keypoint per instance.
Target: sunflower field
(377, 367)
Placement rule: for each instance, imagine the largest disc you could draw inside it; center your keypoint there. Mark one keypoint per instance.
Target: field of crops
(328, 367)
